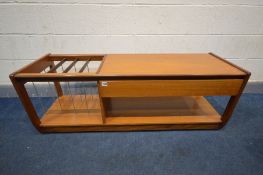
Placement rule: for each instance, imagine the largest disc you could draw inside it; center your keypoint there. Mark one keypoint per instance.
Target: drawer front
(148, 88)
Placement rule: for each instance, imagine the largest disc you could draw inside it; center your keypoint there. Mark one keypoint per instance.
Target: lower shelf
(86, 111)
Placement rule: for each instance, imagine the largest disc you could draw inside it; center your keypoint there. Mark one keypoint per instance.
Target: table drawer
(148, 88)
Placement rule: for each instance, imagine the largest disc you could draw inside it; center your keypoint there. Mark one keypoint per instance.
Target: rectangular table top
(167, 64)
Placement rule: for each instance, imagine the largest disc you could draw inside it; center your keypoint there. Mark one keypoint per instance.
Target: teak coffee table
(135, 91)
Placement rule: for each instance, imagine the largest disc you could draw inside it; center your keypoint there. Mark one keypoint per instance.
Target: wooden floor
(129, 111)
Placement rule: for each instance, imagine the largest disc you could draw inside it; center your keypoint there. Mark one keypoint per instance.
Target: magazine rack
(135, 91)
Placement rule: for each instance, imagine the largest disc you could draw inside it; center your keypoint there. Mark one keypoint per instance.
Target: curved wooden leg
(232, 103)
(25, 99)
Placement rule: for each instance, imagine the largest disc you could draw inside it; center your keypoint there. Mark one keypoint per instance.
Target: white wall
(230, 28)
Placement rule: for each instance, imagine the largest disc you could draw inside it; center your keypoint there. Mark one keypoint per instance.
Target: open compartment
(161, 110)
(79, 105)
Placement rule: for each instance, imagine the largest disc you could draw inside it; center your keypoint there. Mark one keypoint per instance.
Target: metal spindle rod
(57, 97)
(96, 95)
(50, 89)
(87, 65)
(72, 98)
(80, 86)
(79, 91)
(87, 102)
(92, 95)
(41, 104)
(70, 92)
